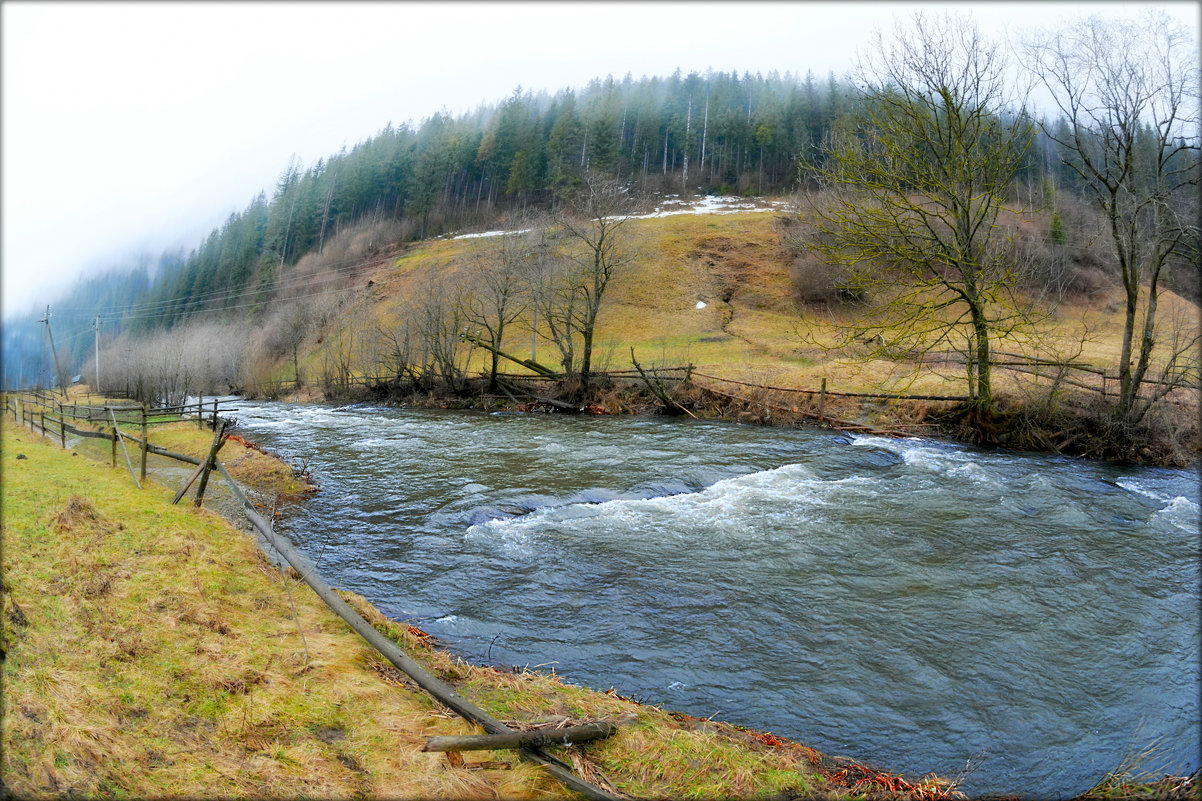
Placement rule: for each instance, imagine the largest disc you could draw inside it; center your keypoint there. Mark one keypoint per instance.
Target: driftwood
(656, 388)
(831, 422)
(558, 404)
(522, 739)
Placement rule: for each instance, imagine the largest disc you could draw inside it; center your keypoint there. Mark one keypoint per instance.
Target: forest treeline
(720, 133)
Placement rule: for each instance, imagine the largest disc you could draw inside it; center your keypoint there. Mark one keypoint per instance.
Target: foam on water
(738, 508)
(922, 454)
(1178, 511)
(1181, 512)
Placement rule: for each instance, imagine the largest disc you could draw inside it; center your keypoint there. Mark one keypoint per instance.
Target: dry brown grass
(155, 654)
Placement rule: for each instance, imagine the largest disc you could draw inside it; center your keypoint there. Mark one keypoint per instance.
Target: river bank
(1073, 425)
(152, 650)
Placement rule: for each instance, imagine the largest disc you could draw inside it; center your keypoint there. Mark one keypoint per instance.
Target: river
(912, 604)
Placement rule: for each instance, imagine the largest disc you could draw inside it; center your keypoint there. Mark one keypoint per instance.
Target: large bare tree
(911, 196)
(595, 224)
(1129, 93)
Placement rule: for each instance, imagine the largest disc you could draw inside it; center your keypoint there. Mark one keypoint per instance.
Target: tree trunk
(984, 390)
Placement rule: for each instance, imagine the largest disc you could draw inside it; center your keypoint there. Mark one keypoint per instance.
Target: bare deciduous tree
(914, 194)
(1129, 92)
(494, 298)
(437, 318)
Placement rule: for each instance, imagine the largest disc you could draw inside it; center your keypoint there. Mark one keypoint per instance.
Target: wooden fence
(43, 412)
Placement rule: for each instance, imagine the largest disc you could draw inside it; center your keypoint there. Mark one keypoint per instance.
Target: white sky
(132, 126)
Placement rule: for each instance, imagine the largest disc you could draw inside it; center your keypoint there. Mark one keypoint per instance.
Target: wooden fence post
(822, 401)
(200, 412)
(114, 446)
(214, 414)
(43, 423)
(145, 442)
(62, 428)
(218, 441)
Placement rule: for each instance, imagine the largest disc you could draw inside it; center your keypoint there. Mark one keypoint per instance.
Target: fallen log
(522, 739)
(657, 389)
(529, 364)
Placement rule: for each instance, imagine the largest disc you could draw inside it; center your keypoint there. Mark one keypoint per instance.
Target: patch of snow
(701, 304)
(710, 204)
(492, 233)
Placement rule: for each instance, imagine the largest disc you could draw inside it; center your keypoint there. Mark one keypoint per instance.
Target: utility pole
(96, 325)
(42, 371)
(62, 378)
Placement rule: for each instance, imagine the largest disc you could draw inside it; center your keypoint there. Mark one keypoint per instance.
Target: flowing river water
(912, 604)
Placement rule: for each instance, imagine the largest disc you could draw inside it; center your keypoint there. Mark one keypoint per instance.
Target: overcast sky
(135, 126)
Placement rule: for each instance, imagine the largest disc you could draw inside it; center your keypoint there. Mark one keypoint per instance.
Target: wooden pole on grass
(125, 450)
(424, 679)
(522, 739)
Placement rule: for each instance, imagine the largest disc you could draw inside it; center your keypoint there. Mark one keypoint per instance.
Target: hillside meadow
(732, 295)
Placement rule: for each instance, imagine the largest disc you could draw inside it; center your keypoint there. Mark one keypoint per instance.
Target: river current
(916, 605)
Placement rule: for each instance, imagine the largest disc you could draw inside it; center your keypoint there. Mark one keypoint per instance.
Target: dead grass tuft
(79, 514)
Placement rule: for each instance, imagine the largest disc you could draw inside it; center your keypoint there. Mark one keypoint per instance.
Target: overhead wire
(169, 307)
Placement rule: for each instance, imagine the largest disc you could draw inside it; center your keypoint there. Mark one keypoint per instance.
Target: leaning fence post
(145, 441)
(218, 441)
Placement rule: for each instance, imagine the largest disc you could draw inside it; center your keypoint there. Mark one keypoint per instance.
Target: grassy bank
(151, 650)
